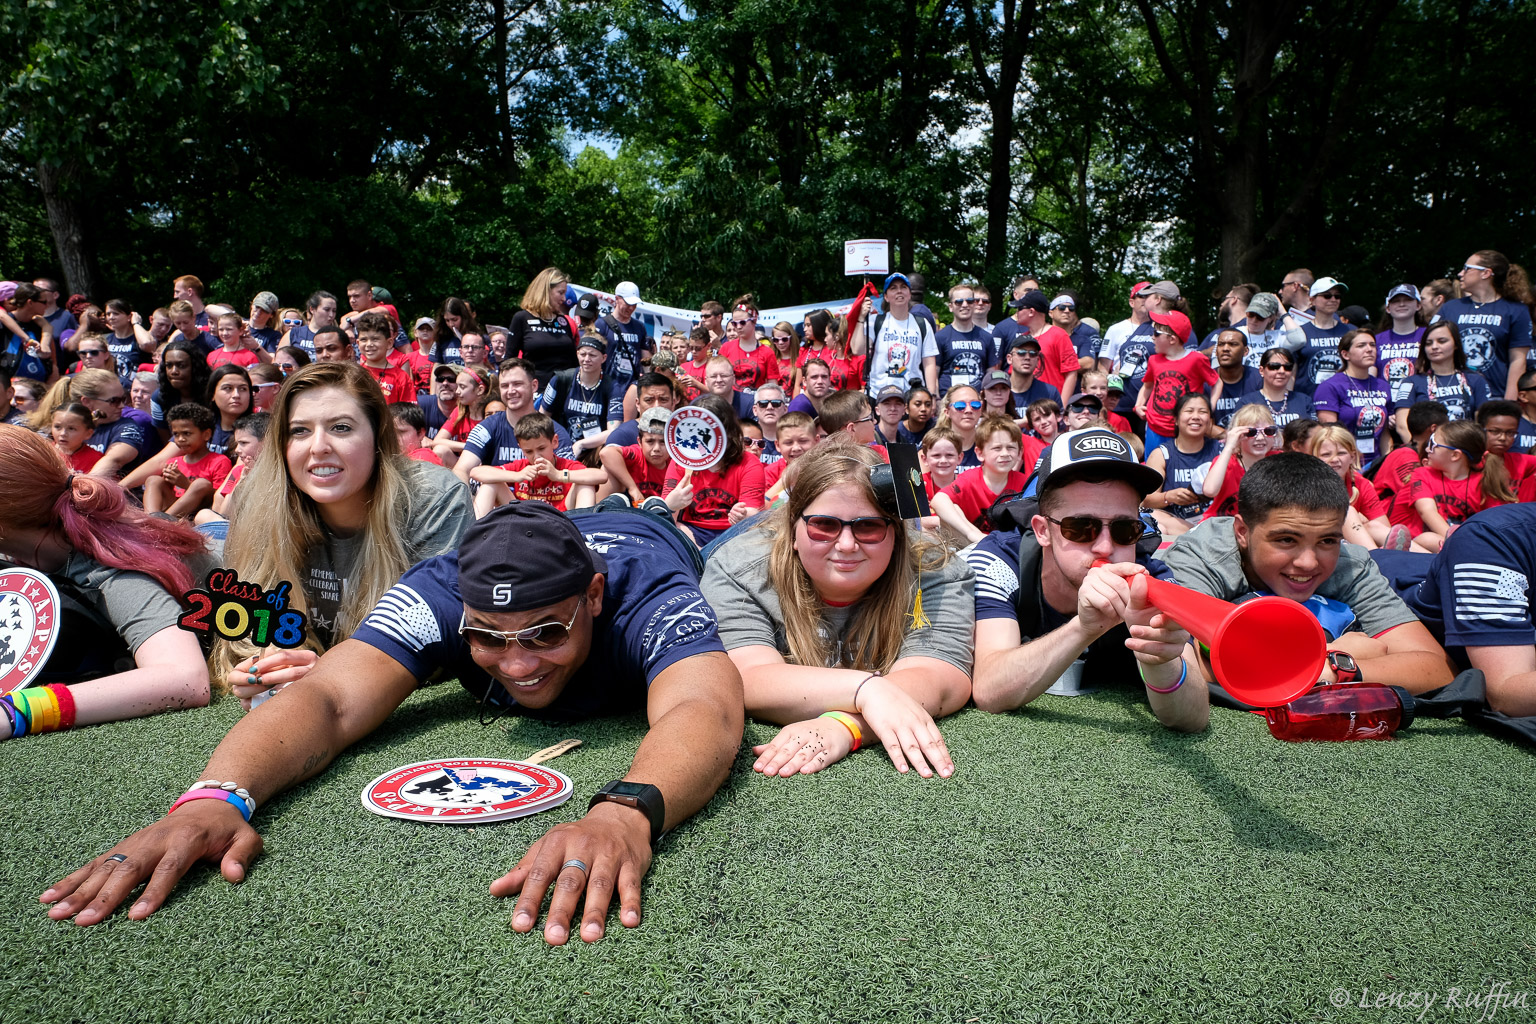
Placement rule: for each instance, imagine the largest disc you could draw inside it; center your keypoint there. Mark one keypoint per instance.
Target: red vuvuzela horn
(1265, 652)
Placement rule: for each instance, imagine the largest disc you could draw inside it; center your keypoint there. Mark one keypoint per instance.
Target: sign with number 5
(866, 256)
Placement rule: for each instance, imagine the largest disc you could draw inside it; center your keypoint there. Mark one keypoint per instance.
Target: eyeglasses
(965, 405)
(740, 323)
(1031, 353)
(1278, 366)
(866, 529)
(1086, 529)
(753, 442)
(546, 636)
(769, 403)
(295, 323)
(92, 352)
(1433, 444)
(1266, 431)
(1084, 407)
(1474, 266)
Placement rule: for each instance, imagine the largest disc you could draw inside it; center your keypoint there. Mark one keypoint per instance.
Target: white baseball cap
(629, 292)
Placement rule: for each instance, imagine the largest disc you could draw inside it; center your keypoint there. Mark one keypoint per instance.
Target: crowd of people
(447, 498)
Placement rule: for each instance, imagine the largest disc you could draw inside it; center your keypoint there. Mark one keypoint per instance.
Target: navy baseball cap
(898, 276)
(524, 555)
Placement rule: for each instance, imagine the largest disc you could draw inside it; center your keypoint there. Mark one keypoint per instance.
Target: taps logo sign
(29, 609)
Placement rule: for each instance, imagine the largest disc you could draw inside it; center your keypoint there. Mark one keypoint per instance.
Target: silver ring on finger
(577, 864)
(117, 858)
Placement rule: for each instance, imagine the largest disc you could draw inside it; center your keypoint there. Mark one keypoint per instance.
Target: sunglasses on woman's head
(965, 405)
(1086, 529)
(1266, 431)
(866, 529)
(546, 636)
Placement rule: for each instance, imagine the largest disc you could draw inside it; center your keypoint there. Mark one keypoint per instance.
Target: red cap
(1138, 286)
(1176, 320)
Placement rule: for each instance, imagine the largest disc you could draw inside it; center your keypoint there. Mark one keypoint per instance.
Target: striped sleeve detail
(405, 617)
(1491, 593)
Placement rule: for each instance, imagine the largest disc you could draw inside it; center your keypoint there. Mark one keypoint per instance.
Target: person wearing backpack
(580, 399)
(1041, 604)
(898, 346)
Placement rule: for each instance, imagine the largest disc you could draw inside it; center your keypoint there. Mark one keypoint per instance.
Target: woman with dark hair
(321, 309)
(848, 628)
(229, 396)
(455, 319)
(1494, 321)
(823, 341)
(1184, 462)
(183, 378)
(129, 343)
(541, 332)
(1356, 397)
(290, 359)
(707, 502)
(1440, 375)
(120, 573)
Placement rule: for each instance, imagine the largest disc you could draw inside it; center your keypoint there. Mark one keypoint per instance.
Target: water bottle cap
(1408, 703)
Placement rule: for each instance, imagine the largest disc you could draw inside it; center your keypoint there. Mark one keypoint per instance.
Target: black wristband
(642, 797)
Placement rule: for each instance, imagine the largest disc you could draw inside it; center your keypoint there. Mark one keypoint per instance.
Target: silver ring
(118, 857)
(574, 863)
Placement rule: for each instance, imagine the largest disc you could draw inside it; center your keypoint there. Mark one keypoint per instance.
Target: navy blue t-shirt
(221, 440)
(1002, 339)
(268, 336)
(126, 431)
(494, 442)
(1086, 341)
(1319, 358)
(653, 617)
(1460, 393)
(1131, 364)
(624, 435)
(1488, 333)
(1526, 439)
(1184, 470)
(1232, 395)
(1478, 589)
(626, 343)
(1037, 390)
(28, 364)
(1296, 406)
(963, 356)
(127, 355)
(303, 339)
(434, 416)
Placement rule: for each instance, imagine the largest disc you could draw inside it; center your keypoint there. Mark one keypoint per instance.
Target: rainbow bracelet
(850, 723)
(1183, 675)
(238, 803)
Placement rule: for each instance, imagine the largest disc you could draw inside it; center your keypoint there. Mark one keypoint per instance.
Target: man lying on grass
(1040, 587)
(532, 616)
(1287, 539)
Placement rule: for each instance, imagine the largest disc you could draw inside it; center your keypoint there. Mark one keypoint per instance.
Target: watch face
(626, 788)
(1342, 661)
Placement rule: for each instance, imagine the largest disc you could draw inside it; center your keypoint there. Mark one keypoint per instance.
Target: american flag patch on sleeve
(1491, 593)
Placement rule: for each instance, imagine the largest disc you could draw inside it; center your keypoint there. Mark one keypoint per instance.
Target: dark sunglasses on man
(1086, 529)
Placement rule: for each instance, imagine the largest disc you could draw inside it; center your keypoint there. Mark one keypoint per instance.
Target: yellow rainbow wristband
(850, 723)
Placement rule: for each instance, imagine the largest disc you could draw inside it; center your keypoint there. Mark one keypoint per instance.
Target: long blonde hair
(81, 384)
(275, 540)
(536, 298)
(881, 619)
(1339, 437)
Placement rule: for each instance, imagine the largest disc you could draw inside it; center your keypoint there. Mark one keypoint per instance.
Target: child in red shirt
(963, 505)
(1171, 373)
(411, 429)
(186, 481)
(246, 442)
(1251, 436)
(794, 435)
(754, 366)
(540, 475)
(70, 431)
(1457, 483)
(707, 502)
(376, 342)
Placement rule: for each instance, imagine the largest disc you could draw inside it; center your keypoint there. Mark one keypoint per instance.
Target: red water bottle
(1362, 711)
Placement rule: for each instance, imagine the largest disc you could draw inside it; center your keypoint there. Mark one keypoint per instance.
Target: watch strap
(649, 801)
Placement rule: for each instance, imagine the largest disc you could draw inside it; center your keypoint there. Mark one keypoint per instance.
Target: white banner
(661, 317)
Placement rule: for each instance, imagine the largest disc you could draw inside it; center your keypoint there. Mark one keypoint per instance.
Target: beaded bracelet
(228, 787)
(1183, 675)
(850, 723)
(214, 794)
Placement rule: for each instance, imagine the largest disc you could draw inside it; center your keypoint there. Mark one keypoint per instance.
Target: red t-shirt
(753, 369)
(231, 479)
(1522, 473)
(211, 467)
(82, 460)
(973, 497)
(1119, 424)
(1029, 453)
(1368, 503)
(1225, 502)
(1392, 479)
(424, 455)
(395, 382)
(649, 479)
(715, 493)
(459, 425)
(1171, 379)
(240, 357)
(931, 487)
(415, 364)
(542, 488)
(847, 373)
(696, 371)
(1455, 500)
(1058, 356)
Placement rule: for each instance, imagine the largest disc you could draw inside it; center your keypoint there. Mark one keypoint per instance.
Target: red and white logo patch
(466, 791)
(695, 438)
(29, 611)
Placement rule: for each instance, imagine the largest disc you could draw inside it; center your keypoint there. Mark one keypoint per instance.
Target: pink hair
(93, 513)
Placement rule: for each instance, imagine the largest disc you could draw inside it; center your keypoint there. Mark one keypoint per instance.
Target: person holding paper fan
(707, 502)
(120, 573)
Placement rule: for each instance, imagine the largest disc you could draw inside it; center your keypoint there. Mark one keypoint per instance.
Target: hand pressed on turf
(614, 842)
(904, 726)
(801, 748)
(162, 853)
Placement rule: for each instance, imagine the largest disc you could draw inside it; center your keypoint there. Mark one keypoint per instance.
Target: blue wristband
(17, 717)
(1183, 675)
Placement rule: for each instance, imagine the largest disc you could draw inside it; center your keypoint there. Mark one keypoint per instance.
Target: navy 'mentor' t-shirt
(1488, 333)
(1478, 590)
(494, 442)
(653, 616)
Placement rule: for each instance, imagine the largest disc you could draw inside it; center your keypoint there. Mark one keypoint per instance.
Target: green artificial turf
(1082, 864)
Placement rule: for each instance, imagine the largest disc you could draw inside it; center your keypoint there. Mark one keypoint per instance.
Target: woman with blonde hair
(960, 411)
(124, 442)
(121, 574)
(473, 387)
(541, 332)
(848, 629)
(344, 515)
(1367, 523)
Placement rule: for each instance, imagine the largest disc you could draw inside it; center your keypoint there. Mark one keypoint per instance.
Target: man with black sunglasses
(1043, 601)
(539, 614)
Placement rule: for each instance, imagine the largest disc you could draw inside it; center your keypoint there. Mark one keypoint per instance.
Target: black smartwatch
(1344, 668)
(642, 796)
